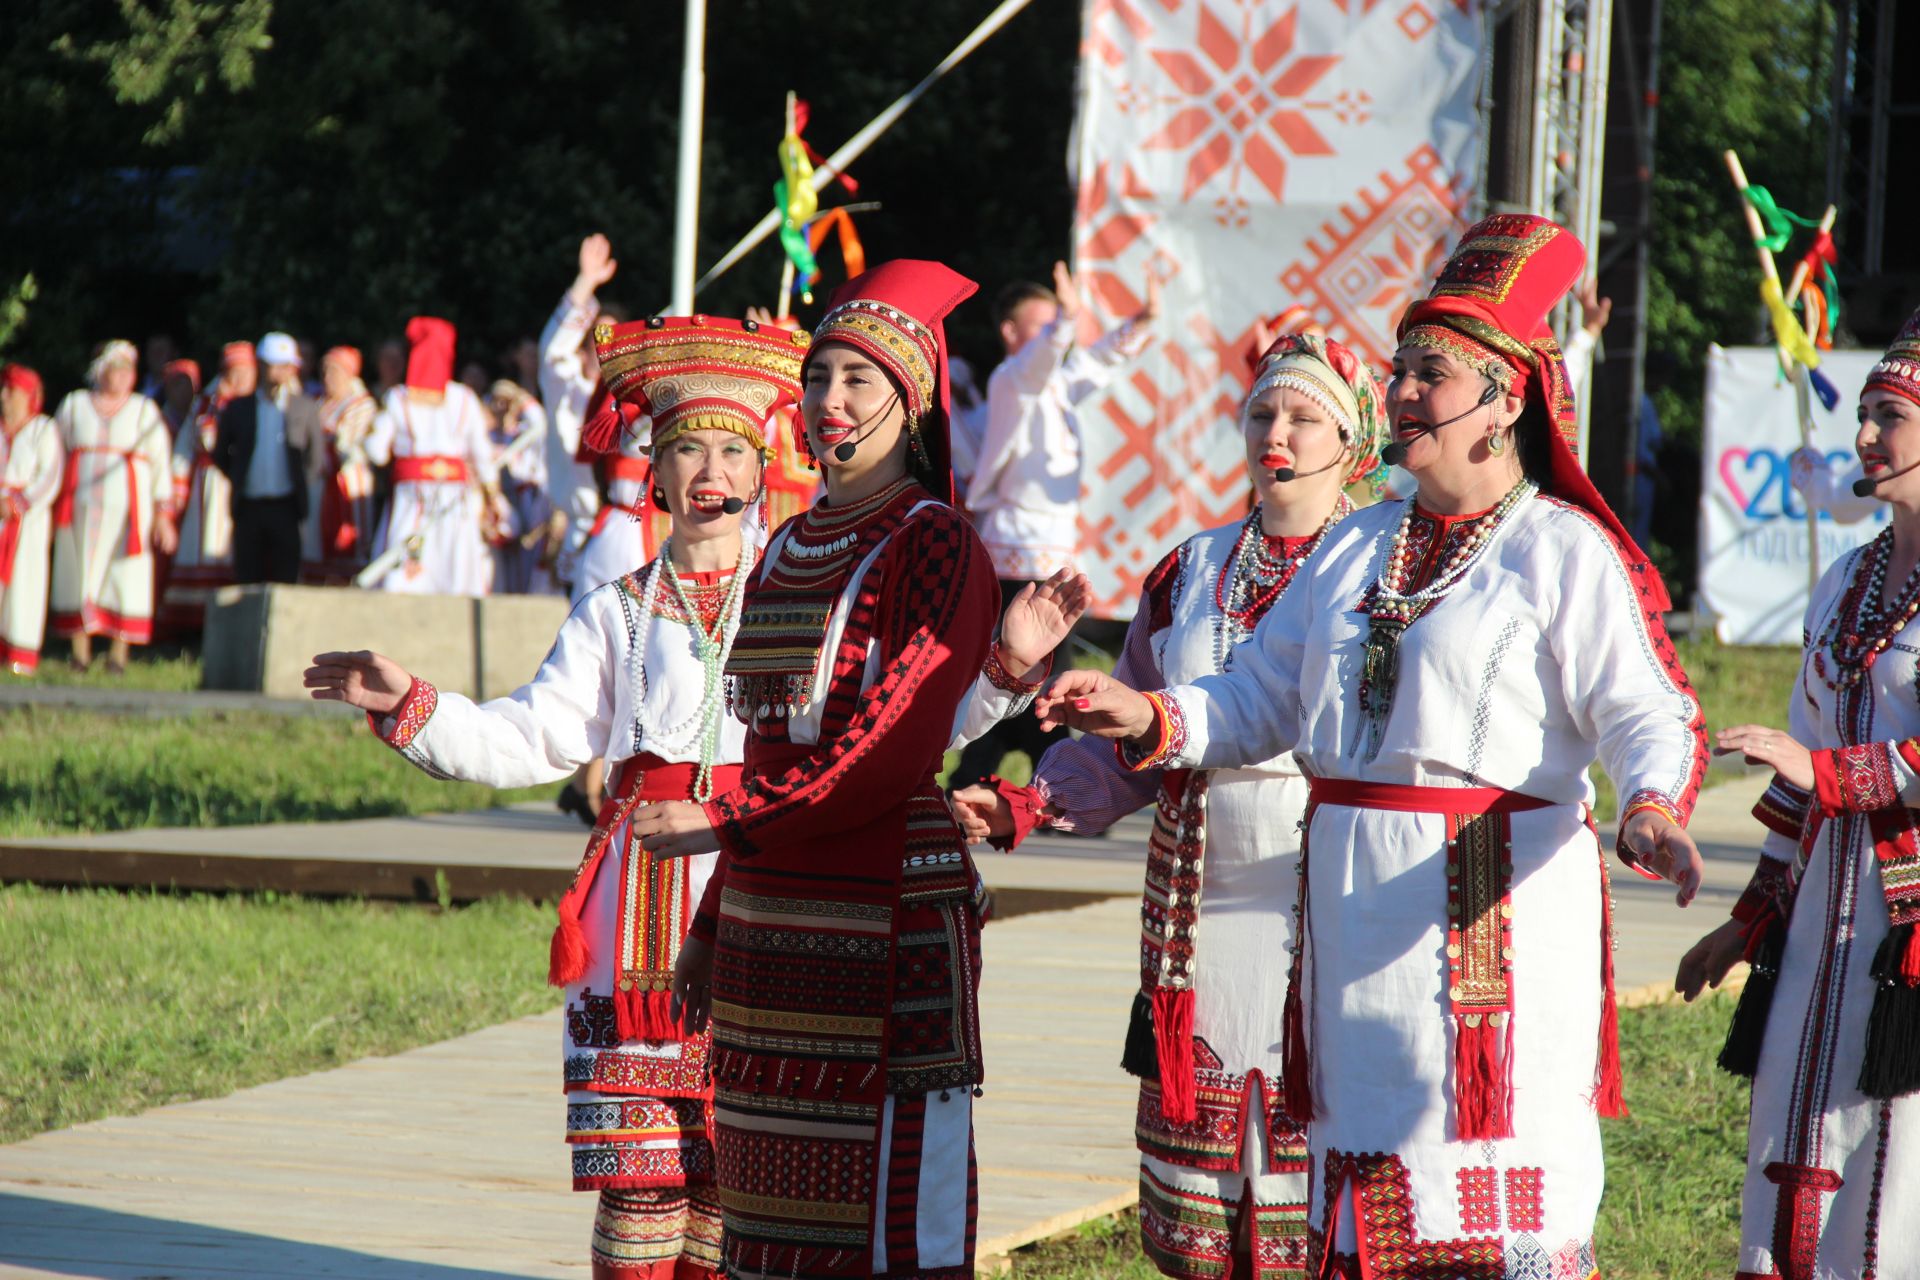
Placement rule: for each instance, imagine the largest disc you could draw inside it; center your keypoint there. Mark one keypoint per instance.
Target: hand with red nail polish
(1094, 702)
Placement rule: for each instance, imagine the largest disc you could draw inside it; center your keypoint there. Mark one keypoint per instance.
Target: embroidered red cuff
(1855, 779)
(1767, 893)
(399, 727)
(724, 815)
(1027, 806)
(1001, 678)
(1642, 801)
(1165, 739)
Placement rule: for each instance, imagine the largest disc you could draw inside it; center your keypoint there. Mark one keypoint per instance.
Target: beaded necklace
(1391, 607)
(1864, 624)
(1255, 576)
(709, 646)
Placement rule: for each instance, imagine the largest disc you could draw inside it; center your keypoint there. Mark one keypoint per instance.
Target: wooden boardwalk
(445, 1163)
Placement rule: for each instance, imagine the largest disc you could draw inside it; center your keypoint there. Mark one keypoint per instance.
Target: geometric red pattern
(1479, 1199)
(1380, 1187)
(1526, 1206)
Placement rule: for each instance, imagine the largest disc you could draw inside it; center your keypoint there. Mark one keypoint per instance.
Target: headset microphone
(1863, 488)
(1283, 475)
(844, 450)
(733, 506)
(1396, 452)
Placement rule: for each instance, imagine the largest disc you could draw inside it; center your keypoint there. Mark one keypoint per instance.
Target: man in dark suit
(262, 445)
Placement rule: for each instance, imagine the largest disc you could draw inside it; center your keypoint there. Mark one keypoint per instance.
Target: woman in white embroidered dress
(31, 458)
(202, 494)
(1223, 1175)
(1827, 1022)
(1445, 670)
(434, 431)
(635, 677)
(114, 510)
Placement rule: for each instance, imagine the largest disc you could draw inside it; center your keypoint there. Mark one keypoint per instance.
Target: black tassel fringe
(1141, 1057)
(1891, 1067)
(1740, 1055)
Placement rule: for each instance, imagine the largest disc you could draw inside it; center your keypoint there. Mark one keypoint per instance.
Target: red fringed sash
(654, 908)
(1170, 920)
(1479, 873)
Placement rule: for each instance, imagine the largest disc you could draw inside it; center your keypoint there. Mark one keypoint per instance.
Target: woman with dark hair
(1829, 1023)
(1446, 669)
(838, 946)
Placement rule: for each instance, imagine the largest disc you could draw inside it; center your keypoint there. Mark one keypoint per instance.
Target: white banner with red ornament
(1753, 525)
(1253, 155)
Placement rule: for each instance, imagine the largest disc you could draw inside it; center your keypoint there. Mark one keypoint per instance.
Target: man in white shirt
(1024, 495)
(569, 372)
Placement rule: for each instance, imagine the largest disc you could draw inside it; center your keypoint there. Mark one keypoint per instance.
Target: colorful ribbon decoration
(853, 254)
(1780, 222)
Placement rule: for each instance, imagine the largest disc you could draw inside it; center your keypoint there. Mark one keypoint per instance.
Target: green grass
(1747, 684)
(162, 670)
(65, 770)
(1674, 1168)
(118, 1002)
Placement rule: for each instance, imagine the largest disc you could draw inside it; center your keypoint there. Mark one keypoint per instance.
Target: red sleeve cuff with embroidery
(1857, 779)
(1782, 809)
(1000, 678)
(399, 727)
(1643, 801)
(1026, 805)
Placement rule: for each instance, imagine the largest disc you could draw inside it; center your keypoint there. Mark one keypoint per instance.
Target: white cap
(278, 348)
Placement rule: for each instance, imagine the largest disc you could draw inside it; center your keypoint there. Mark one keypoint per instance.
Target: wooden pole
(784, 307)
(1801, 272)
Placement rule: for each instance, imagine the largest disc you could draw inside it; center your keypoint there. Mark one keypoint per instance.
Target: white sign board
(1753, 526)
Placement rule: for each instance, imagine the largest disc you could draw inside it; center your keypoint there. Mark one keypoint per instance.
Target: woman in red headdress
(838, 946)
(1446, 669)
(31, 460)
(434, 432)
(1829, 1023)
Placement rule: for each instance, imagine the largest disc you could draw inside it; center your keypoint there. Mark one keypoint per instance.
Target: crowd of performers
(124, 508)
(1376, 1030)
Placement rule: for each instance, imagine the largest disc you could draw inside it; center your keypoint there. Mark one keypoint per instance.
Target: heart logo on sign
(1728, 459)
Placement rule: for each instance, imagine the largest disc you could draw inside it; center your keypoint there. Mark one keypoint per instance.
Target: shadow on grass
(67, 1239)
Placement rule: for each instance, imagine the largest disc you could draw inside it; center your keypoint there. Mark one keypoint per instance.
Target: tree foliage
(218, 169)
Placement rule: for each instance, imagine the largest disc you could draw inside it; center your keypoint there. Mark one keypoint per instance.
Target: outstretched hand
(1039, 619)
(1094, 702)
(1661, 846)
(1708, 961)
(361, 679)
(981, 812)
(597, 264)
(1758, 744)
(1068, 291)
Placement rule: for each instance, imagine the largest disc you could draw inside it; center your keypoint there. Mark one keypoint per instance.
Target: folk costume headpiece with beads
(1899, 369)
(117, 351)
(694, 373)
(1489, 309)
(1337, 380)
(896, 315)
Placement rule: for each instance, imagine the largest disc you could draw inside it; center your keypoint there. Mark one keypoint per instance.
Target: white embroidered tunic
(1539, 658)
(437, 519)
(120, 473)
(30, 467)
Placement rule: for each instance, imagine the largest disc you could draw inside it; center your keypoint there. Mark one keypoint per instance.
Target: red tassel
(1296, 1070)
(1910, 959)
(567, 954)
(1609, 1095)
(1483, 1077)
(644, 1015)
(1173, 1041)
(606, 418)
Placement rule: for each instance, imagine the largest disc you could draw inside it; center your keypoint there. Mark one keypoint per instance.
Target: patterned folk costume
(1826, 1025)
(1445, 681)
(338, 540)
(635, 677)
(203, 562)
(117, 479)
(844, 920)
(439, 449)
(31, 463)
(1222, 878)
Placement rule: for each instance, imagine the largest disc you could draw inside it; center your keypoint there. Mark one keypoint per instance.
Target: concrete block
(260, 638)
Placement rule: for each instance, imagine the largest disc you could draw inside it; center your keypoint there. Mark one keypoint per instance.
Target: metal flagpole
(860, 141)
(686, 205)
